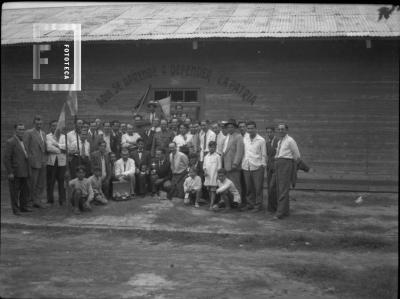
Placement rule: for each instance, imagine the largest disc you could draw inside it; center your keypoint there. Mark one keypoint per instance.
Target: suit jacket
(271, 151)
(234, 151)
(36, 148)
(148, 139)
(95, 161)
(54, 152)
(94, 141)
(163, 169)
(146, 159)
(15, 160)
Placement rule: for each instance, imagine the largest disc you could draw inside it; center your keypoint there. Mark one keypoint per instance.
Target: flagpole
(68, 172)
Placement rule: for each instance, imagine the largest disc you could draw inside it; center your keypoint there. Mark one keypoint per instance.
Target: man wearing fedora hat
(232, 153)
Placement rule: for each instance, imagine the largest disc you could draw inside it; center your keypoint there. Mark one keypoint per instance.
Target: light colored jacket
(234, 151)
(54, 147)
(129, 169)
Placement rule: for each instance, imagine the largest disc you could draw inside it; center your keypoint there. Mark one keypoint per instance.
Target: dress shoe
(26, 210)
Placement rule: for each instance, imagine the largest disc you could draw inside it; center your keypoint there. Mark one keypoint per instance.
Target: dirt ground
(330, 247)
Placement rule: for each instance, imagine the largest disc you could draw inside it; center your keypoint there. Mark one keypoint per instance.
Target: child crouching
(81, 191)
(227, 191)
(96, 182)
(192, 188)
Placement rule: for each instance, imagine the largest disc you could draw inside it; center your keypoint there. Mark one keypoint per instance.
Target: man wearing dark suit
(142, 163)
(232, 153)
(110, 139)
(117, 134)
(148, 135)
(93, 137)
(100, 159)
(160, 173)
(272, 145)
(35, 141)
(17, 166)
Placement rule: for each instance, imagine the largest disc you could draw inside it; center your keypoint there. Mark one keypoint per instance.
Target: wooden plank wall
(339, 98)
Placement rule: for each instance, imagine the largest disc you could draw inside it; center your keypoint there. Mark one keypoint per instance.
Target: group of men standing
(154, 156)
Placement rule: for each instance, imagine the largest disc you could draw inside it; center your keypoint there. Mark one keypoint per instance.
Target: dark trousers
(142, 183)
(37, 184)
(283, 169)
(19, 193)
(177, 185)
(77, 199)
(56, 173)
(272, 200)
(243, 189)
(234, 176)
(254, 187)
(157, 184)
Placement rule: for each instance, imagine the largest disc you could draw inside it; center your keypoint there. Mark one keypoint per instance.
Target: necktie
(83, 148)
(279, 148)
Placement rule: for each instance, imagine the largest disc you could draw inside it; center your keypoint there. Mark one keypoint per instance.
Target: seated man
(227, 191)
(192, 188)
(81, 191)
(125, 171)
(97, 184)
(160, 173)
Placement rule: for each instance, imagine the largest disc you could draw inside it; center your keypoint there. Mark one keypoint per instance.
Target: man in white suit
(56, 164)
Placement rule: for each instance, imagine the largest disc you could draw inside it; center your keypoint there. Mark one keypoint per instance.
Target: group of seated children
(216, 183)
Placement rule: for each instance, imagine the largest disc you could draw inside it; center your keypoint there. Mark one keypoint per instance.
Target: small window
(177, 95)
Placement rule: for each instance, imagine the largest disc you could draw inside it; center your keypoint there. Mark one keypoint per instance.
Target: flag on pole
(72, 102)
(166, 106)
(139, 105)
(61, 121)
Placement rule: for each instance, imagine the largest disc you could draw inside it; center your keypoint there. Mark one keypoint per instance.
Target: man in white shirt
(56, 163)
(205, 136)
(184, 137)
(125, 170)
(130, 137)
(72, 135)
(253, 164)
(80, 153)
(220, 137)
(286, 157)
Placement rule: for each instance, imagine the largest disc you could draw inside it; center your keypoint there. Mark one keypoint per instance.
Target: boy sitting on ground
(227, 191)
(81, 191)
(96, 182)
(192, 188)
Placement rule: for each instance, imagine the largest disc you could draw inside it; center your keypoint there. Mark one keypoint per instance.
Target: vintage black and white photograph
(202, 150)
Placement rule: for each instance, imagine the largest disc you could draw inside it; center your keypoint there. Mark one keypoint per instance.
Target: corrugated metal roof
(162, 21)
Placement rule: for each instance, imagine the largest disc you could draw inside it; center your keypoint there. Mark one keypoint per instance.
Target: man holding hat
(232, 153)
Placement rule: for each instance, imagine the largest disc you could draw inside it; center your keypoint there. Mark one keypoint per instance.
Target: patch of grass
(370, 282)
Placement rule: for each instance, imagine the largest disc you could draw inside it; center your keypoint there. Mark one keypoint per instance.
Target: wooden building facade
(338, 95)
